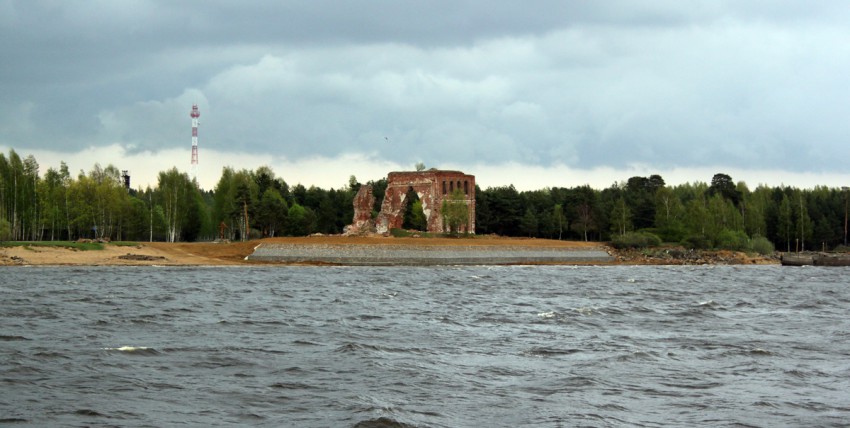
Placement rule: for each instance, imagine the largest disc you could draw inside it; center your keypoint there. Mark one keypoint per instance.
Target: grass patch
(124, 243)
(81, 246)
(404, 233)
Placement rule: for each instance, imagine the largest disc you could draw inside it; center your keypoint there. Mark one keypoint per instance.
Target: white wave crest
(128, 349)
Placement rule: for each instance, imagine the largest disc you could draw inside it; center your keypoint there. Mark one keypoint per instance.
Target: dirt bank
(681, 256)
(111, 255)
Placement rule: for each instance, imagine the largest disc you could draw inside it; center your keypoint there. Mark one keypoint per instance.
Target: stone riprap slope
(406, 255)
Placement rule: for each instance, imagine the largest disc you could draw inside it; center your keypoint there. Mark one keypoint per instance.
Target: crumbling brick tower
(432, 187)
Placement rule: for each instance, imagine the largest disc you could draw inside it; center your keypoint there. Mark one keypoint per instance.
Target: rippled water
(431, 347)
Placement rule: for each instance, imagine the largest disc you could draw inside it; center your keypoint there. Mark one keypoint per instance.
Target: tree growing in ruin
(455, 212)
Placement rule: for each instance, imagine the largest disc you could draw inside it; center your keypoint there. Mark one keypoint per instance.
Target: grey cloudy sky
(537, 94)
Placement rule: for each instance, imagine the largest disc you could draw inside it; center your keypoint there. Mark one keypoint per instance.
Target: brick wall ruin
(362, 224)
(431, 187)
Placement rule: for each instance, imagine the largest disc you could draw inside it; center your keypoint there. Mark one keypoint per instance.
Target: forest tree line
(256, 203)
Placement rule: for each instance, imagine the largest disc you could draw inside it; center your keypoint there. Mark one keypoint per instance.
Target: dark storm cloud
(578, 83)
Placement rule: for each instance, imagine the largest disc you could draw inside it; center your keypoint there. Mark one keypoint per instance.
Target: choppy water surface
(430, 347)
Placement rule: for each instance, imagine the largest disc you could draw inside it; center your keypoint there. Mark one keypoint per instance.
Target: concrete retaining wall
(388, 255)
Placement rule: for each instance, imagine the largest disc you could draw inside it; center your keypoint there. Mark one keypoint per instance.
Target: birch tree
(621, 217)
(175, 195)
(785, 222)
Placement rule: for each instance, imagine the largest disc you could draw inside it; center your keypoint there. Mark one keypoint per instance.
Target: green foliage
(762, 245)
(669, 209)
(401, 233)
(697, 242)
(95, 204)
(697, 218)
(181, 205)
(81, 246)
(803, 227)
(672, 232)
(404, 233)
(734, 240)
(640, 239)
(583, 211)
(272, 213)
(722, 184)
(499, 211)
(785, 222)
(621, 218)
(379, 188)
(455, 212)
(559, 220)
(19, 195)
(157, 222)
(414, 216)
(5, 230)
(301, 221)
(529, 224)
(639, 193)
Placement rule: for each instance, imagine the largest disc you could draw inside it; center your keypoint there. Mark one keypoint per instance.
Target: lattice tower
(195, 114)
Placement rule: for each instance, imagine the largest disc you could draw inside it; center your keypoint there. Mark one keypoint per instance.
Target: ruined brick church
(431, 186)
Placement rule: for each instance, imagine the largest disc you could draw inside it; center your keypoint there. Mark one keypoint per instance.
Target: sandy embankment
(214, 254)
(156, 253)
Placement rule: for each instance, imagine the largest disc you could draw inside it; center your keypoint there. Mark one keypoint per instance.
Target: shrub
(404, 233)
(733, 240)
(636, 240)
(762, 245)
(672, 233)
(696, 242)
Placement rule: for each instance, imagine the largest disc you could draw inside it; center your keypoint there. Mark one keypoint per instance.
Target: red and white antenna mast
(195, 114)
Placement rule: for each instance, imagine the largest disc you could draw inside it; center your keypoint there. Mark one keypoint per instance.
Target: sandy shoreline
(216, 254)
(111, 255)
(348, 251)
